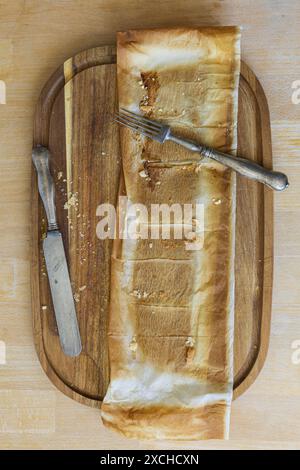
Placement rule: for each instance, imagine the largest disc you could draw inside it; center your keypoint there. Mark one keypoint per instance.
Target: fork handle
(247, 168)
(273, 179)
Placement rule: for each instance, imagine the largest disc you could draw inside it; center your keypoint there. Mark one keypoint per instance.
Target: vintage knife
(56, 263)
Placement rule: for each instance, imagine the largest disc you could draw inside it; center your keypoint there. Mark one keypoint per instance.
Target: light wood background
(36, 36)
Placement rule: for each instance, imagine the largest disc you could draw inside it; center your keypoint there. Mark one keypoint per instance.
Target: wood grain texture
(86, 163)
(35, 38)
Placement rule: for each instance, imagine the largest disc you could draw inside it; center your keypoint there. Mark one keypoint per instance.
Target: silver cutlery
(161, 133)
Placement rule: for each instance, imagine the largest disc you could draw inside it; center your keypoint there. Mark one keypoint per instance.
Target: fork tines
(141, 124)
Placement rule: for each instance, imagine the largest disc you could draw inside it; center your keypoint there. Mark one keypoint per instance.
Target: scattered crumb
(103, 153)
(139, 294)
(190, 343)
(133, 347)
(133, 344)
(190, 351)
(76, 297)
(44, 307)
(82, 288)
(216, 201)
(59, 175)
(72, 201)
(150, 245)
(143, 174)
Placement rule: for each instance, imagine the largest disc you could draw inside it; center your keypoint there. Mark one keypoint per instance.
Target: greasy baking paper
(172, 308)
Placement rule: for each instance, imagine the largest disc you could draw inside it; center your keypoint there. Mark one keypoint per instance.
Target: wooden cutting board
(73, 119)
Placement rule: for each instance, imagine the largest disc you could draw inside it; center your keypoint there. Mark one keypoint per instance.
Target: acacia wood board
(73, 119)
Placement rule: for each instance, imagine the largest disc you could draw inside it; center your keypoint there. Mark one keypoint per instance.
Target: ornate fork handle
(248, 168)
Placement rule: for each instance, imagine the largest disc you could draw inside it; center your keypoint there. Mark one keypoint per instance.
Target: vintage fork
(161, 133)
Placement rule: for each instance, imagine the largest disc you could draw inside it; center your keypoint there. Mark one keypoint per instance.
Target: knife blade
(56, 263)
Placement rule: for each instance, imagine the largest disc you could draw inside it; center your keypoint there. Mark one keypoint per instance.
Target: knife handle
(41, 158)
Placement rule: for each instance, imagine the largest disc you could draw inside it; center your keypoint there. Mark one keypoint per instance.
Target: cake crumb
(72, 201)
(137, 293)
(216, 201)
(143, 174)
(140, 294)
(133, 347)
(198, 168)
(190, 351)
(190, 343)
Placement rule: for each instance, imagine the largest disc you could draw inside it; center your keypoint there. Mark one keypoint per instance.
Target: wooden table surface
(36, 36)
